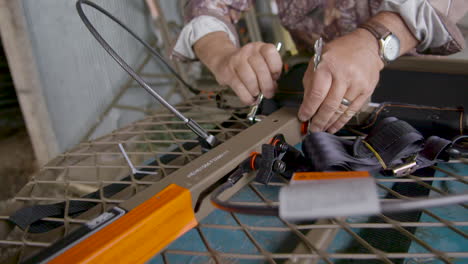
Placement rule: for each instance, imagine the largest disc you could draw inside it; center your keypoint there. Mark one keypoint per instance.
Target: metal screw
(283, 147)
(279, 166)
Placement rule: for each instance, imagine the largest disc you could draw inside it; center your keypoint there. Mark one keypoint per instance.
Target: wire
(114, 54)
(386, 207)
(207, 140)
(417, 204)
(242, 209)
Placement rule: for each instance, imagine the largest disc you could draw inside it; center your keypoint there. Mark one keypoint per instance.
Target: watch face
(391, 48)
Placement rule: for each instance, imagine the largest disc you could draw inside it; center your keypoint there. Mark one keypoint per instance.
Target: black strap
(394, 141)
(32, 216)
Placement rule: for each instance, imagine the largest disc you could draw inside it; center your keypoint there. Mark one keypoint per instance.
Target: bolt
(283, 147)
(279, 166)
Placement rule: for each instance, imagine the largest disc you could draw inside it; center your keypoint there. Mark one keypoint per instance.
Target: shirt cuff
(423, 21)
(196, 29)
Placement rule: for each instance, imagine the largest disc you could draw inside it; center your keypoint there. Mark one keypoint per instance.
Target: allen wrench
(130, 164)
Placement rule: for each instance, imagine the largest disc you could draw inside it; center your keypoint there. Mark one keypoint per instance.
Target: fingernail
(276, 76)
(332, 130)
(315, 129)
(302, 117)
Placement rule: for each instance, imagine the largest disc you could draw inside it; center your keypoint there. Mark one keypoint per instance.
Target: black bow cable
(114, 54)
(207, 140)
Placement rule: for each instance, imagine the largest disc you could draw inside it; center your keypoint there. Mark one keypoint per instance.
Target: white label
(100, 219)
(207, 164)
(329, 199)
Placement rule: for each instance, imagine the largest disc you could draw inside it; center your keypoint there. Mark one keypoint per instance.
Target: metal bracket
(404, 169)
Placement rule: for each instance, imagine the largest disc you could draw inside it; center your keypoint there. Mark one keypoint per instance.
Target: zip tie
(376, 154)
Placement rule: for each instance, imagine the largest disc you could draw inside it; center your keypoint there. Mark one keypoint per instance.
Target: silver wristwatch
(389, 44)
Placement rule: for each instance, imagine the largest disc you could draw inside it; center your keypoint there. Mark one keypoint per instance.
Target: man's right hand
(249, 71)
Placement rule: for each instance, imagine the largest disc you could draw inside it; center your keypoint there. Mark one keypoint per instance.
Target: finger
(351, 95)
(247, 76)
(340, 111)
(263, 74)
(329, 106)
(316, 87)
(352, 109)
(241, 91)
(273, 59)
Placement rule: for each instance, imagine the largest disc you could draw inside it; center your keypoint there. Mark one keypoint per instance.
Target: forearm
(213, 48)
(433, 23)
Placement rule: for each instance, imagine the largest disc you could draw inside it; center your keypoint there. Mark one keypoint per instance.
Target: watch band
(375, 28)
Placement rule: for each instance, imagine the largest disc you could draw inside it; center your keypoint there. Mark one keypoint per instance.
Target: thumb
(303, 114)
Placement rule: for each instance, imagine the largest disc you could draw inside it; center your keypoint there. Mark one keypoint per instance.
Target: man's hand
(249, 71)
(349, 69)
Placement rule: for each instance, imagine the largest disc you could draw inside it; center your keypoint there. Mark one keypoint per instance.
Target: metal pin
(318, 52)
(318, 45)
(252, 115)
(130, 164)
(278, 46)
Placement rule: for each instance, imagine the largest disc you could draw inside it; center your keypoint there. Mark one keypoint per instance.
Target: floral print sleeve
(432, 22)
(228, 11)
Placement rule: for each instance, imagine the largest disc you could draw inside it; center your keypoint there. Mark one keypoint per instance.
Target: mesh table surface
(431, 236)
(93, 165)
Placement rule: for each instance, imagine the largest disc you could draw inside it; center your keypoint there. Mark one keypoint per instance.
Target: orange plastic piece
(271, 140)
(308, 176)
(210, 94)
(276, 142)
(304, 127)
(252, 160)
(140, 234)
